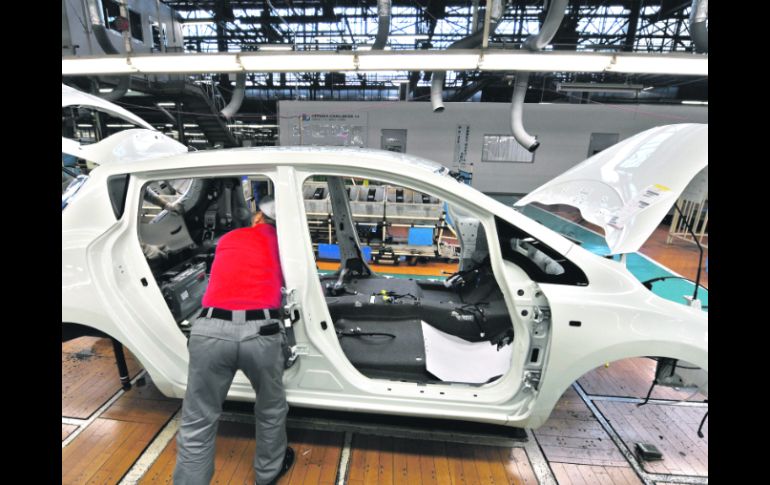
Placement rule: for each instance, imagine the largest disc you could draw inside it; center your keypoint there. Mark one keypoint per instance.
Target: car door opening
(408, 327)
(181, 222)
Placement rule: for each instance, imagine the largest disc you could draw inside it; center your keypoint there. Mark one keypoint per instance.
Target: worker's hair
(267, 219)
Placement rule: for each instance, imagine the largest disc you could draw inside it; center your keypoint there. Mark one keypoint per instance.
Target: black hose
(648, 283)
(358, 333)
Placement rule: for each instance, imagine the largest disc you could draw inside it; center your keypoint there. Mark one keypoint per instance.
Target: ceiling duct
(698, 31)
(383, 24)
(533, 43)
(471, 42)
(237, 99)
(96, 17)
(98, 26)
(551, 24)
(120, 90)
(517, 113)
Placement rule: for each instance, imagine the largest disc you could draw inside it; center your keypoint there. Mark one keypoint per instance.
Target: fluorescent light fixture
(599, 87)
(128, 93)
(166, 105)
(264, 117)
(542, 61)
(96, 65)
(696, 102)
(169, 125)
(276, 47)
(197, 141)
(186, 63)
(252, 126)
(85, 125)
(660, 64)
(299, 62)
(120, 125)
(190, 125)
(388, 60)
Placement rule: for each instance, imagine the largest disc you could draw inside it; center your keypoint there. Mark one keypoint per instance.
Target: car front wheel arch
(551, 392)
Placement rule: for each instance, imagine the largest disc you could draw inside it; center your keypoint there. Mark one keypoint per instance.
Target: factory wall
(564, 131)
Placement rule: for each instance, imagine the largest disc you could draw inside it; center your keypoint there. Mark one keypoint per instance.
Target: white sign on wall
(504, 148)
(461, 163)
(329, 129)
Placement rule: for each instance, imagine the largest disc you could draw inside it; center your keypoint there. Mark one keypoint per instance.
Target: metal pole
(487, 19)
(120, 359)
(301, 130)
(180, 124)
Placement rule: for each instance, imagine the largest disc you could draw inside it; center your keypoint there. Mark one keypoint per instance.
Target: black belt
(250, 314)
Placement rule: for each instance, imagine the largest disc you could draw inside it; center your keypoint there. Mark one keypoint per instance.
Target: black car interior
(209, 209)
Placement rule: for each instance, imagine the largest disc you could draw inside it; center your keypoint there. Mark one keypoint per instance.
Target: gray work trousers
(217, 349)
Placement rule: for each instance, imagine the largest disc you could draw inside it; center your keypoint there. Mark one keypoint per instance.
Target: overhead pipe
(383, 24)
(237, 99)
(517, 113)
(533, 43)
(473, 41)
(551, 24)
(98, 26)
(119, 91)
(698, 31)
(96, 18)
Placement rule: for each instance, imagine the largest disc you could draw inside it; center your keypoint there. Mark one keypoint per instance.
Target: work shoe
(288, 461)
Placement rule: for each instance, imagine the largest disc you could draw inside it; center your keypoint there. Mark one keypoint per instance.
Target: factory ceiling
(650, 26)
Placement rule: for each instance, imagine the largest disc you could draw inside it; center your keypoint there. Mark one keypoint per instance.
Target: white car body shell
(107, 285)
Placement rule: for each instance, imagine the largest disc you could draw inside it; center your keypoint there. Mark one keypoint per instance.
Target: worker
(238, 328)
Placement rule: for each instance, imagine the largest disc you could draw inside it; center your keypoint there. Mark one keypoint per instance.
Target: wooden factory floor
(110, 436)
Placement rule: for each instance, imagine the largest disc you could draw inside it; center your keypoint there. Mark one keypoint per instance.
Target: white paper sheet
(453, 359)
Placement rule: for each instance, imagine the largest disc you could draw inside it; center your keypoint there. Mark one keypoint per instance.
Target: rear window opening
(541, 262)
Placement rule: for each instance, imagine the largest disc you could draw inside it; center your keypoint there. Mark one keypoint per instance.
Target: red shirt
(246, 273)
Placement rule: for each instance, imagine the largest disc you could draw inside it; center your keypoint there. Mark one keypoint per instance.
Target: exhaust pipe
(238, 94)
(383, 24)
(471, 42)
(437, 91)
(533, 43)
(698, 31)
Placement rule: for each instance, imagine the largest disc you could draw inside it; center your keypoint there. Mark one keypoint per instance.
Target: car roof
(343, 156)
